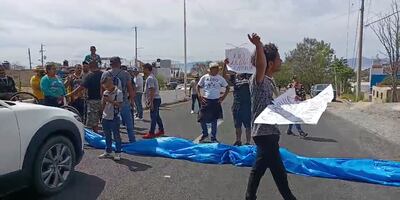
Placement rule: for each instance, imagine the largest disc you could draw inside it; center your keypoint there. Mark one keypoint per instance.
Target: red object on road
(149, 136)
(160, 133)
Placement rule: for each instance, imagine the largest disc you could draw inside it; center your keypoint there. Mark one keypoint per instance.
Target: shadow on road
(146, 121)
(82, 186)
(318, 139)
(140, 128)
(134, 166)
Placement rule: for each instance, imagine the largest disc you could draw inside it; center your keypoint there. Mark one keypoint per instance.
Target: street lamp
(184, 39)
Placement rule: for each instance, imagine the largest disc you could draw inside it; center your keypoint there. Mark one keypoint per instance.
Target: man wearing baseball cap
(211, 100)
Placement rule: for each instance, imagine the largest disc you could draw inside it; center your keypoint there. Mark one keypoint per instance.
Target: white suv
(39, 147)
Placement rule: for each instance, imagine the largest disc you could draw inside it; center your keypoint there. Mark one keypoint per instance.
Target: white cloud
(68, 28)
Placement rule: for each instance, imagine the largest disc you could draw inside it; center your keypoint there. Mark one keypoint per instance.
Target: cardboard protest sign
(239, 60)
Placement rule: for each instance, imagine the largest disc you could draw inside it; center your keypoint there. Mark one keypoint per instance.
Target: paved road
(151, 178)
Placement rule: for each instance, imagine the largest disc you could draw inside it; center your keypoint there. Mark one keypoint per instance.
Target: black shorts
(242, 116)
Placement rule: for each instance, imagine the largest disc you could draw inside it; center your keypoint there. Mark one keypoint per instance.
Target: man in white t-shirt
(211, 100)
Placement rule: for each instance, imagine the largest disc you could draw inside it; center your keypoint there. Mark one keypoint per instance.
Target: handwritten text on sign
(239, 60)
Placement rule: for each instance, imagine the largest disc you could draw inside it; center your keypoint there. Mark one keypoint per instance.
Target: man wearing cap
(138, 81)
(7, 85)
(211, 100)
(128, 92)
(35, 83)
(93, 56)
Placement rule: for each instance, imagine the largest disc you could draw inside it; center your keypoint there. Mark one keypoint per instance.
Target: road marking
(219, 122)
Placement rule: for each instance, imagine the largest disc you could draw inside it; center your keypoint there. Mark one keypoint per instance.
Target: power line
(382, 18)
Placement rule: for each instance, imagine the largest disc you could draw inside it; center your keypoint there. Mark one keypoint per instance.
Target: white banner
(288, 111)
(239, 60)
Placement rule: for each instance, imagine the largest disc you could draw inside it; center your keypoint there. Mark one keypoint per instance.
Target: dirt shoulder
(380, 119)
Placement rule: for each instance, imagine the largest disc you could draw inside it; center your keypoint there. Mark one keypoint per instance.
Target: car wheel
(54, 165)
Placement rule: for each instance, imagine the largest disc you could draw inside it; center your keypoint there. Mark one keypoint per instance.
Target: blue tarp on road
(361, 170)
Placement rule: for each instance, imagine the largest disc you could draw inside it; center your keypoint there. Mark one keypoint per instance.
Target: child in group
(111, 101)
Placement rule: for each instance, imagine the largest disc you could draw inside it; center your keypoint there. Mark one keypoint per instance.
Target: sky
(68, 28)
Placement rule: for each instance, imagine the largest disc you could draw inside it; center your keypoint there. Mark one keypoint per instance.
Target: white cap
(213, 64)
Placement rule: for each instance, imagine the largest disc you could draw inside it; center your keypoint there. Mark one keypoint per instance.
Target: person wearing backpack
(122, 79)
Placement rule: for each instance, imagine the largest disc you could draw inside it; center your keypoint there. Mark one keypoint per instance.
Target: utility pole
(360, 45)
(30, 59)
(184, 38)
(42, 54)
(136, 65)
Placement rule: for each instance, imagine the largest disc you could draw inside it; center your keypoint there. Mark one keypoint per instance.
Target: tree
(310, 61)
(200, 68)
(343, 73)
(161, 82)
(284, 76)
(388, 32)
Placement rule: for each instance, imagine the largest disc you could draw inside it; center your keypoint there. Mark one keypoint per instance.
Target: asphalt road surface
(153, 178)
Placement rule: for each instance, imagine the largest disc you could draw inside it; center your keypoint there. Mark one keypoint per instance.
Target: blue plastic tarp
(361, 170)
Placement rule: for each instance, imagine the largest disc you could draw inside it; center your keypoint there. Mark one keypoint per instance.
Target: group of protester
(108, 97)
(206, 92)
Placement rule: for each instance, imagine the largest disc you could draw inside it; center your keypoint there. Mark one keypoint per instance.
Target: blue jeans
(213, 129)
(127, 119)
(195, 98)
(112, 127)
(298, 127)
(139, 106)
(155, 117)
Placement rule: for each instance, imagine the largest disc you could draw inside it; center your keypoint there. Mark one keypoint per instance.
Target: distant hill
(366, 62)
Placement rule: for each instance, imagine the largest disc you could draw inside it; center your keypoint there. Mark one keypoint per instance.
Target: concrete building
(383, 94)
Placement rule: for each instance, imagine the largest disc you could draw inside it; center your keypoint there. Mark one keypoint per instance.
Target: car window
(321, 87)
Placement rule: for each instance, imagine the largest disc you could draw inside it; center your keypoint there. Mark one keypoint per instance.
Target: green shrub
(352, 97)
(161, 82)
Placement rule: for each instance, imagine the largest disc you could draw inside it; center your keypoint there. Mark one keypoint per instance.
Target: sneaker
(214, 140)
(160, 133)
(203, 138)
(106, 155)
(192, 112)
(237, 143)
(149, 136)
(290, 132)
(303, 134)
(138, 119)
(117, 157)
